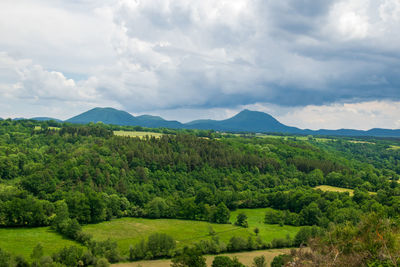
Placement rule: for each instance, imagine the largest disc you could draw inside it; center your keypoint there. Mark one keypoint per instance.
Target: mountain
(245, 121)
(349, 132)
(105, 115)
(119, 117)
(45, 119)
(156, 122)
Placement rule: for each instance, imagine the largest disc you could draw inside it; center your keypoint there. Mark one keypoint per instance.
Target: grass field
(129, 231)
(255, 218)
(137, 134)
(394, 147)
(244, 257)
(21, 241)
(299, 138)
(361, 142)
(338, 189)
(38, 128)
(335, 189)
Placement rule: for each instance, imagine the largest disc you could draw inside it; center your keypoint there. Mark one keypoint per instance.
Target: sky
(310, 63)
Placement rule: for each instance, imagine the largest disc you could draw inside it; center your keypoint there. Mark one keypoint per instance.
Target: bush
(37, 252)
(305, 233)
(69, 256)
(20, 261)
(281, 242)
(157, 245)
(190, 257)
(259, 261)
(107, 249)
(241, 220)
(4, 258)
(102, 263)
(237, 243)
(224, 261)
(281, 260)
(160, 244)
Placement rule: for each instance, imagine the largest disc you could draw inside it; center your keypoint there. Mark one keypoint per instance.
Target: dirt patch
(244, 257)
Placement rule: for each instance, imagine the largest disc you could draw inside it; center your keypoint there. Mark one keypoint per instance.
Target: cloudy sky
(310, 63)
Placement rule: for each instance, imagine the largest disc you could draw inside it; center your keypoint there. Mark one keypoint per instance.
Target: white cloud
(363, 115)
(193, 56)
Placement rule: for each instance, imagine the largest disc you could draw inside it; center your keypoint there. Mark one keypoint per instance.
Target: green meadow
(21, 241)
(129, 231)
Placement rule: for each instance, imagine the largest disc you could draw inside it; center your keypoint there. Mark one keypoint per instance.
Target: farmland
(338, 189)
(137, 134)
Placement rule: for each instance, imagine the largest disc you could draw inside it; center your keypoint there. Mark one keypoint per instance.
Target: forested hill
(179, 175)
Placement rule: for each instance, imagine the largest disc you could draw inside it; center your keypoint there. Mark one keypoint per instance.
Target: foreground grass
(244, 257)
(328, 188)
(129, 231)
(21, 241)
(137, 134)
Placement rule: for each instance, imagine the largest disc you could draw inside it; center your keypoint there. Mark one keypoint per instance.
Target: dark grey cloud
(170, 54)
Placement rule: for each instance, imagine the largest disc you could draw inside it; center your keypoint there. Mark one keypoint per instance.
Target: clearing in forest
(338, 189)
(137, 134)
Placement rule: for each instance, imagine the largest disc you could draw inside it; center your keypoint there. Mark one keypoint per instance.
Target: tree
(256, 231)
(241, 220)
(281, 260)
(259, 261)
(103, 262)
(221, 261)
(37, 252)
(157, 208)
(237, 243)
(211, 231)
(190, 257)
(311, 214)
(160, 244)
(224, 261)
(20, 261)
(4, 258)
(221, 214)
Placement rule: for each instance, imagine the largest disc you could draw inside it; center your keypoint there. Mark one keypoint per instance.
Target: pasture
(137, 134)
(21, 241)
(38, 128)
(361, 142)
(328, 188)
(296, 138)
(129, 231)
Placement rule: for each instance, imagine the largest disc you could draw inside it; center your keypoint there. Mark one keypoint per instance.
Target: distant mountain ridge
(244, 121)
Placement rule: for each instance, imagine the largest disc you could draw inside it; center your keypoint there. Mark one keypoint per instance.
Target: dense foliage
(65, 175)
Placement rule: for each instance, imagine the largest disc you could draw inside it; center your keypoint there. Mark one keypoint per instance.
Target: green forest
(67, 177)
